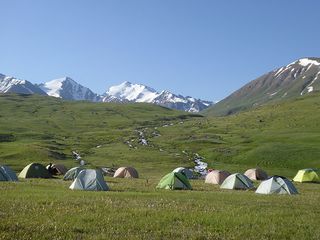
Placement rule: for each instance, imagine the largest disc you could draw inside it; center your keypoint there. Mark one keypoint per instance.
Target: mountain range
(129, 92)
(67, 88)
(293, 80)
(298, 78)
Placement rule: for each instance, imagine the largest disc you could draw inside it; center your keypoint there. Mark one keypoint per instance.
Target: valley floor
(134, 209)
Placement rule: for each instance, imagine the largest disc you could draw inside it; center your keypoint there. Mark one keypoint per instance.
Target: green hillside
(279, 137)
(45, 129)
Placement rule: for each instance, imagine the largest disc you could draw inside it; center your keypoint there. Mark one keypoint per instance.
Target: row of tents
(83, 179)
(254, 174)
(37, 170)
(238, 181)
(178, 179)
(91, 179)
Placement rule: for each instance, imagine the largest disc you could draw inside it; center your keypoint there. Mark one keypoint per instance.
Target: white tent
(89, 180)
(278, 185)
(237, 181)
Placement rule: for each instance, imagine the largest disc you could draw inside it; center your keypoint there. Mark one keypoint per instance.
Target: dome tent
(89, 180)
(174, 181)
(256, 174)
(56, 169)
(188, 173)
(7, 174)
(307, 175)
(126, 172)
(72, 173)
(216, 176)
(278, 185)
(237, 181)
(35, 170)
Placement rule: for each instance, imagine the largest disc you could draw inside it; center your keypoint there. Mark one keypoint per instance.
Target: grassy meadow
(280, 138)
(134, 209)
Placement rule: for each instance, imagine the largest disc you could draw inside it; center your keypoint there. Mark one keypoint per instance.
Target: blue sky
(203, 48)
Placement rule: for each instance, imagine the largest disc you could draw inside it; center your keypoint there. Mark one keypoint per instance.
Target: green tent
(277, 185)
(89, 180)
(237, 181)
(307, 175)
(6, 174)
(35, 170)
(174, 180)
(72, 173)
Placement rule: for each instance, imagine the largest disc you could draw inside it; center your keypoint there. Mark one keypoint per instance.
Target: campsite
(134, 208)
(159, 120)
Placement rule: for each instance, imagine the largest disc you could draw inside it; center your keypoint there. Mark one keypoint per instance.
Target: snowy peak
(166, 96)
(129, 92)
(14, 85)
(306, 61)
(53, 88)
(69, 89)
(297, 68)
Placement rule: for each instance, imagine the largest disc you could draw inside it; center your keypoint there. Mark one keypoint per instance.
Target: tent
(72, 173)
(35, 170)
(108, 171)
(256, 174)
(216, 176)
(174, 181)
(57, 169)
(307, 175)
(278, 185)
(237, 181)
(126, 172)
(7, 174)
(89, 180)
(188, 173)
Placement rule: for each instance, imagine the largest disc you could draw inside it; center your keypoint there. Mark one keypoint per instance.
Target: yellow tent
(307, 175)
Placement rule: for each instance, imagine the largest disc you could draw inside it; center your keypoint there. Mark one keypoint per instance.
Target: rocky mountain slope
(297, 78)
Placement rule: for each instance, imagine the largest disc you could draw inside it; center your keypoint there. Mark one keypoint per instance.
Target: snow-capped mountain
(295, 79)
(67, 88)
(129, 92)
(14, 85)
(188, 104)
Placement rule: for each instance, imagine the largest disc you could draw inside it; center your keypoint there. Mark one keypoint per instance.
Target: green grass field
(280, 138)
(134, 209)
